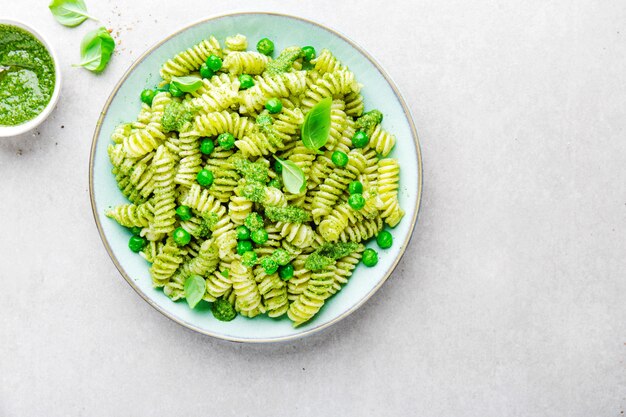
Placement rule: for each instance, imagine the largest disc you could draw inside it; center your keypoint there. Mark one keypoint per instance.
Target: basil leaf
(293, 177)
(96, 49)
(195, 287)
(316, 126)
(188, 84)
(69, 12)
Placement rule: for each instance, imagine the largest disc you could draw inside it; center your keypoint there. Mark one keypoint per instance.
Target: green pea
(355, 187)
(183, 212)
(226, 140)
(147, 96)
(339, 158)
(136, 243)
(275, 183)
(205, 178)
(269, 265)
(244, 246)
(205, 71)
(356, 201)
(175, 91)
(278, 167)
(370, 257)
(245, 81)
(214, 62)
(384, 239)
(285, 272)
(259, 236)
(274, 105)
(360, 139)
(243, 233)
(249, 259)
(181, 237)
(135, 230)
(207, 146)
(309, 53)
(265, 46)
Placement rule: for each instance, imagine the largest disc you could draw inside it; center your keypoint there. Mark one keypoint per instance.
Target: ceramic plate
(379, 92)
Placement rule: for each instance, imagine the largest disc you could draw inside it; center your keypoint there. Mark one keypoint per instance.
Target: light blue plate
(379, 92)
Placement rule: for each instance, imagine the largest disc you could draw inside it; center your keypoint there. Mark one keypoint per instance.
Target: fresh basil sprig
(293, 177)
(316, 126)
(69, 12)
(188, 84)
(195, 287)
(96, 49)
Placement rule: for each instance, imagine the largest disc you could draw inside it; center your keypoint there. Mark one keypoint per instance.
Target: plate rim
(316, 329)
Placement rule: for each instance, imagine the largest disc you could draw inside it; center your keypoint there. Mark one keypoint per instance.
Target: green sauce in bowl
(27, 76)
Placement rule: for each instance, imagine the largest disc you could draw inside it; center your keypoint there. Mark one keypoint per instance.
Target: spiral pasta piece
(332, 84)
(164, 196)
(300, 280)
(166, 262)
(237, 42)
(191, 59)
(361, 231)
(344, 268)
(219, 283)
(216, 123)
(327, 62)
(239, 208)
(274, 292)
(298, 234)
(247, 62)
(312, 299)
(145, 140)
(382, 141)
(190, 160)
(388, 184)
(248, 301)
(131, 215)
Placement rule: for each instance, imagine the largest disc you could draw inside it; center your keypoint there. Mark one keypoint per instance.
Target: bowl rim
(9, 131)
(322, 326)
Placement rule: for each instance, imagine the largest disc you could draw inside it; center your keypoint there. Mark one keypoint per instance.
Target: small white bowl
(6, 131)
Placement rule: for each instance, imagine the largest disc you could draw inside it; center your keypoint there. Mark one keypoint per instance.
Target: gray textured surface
(509, 303)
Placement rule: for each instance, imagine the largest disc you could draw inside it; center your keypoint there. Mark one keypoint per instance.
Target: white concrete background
(510, 301)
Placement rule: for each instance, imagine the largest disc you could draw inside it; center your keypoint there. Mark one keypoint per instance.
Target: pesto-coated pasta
(207, 197)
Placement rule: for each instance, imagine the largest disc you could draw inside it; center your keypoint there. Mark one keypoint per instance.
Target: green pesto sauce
(209, 220)
(176, 117)
(254, 221)
(289, 214)
(27, 85)
(251, 171)
(254, 191)
(328, 253)
(265, 124)
(285, 60)
(367, 123)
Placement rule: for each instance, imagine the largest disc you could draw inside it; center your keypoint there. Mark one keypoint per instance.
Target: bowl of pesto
(256, 177)
(30, 79)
